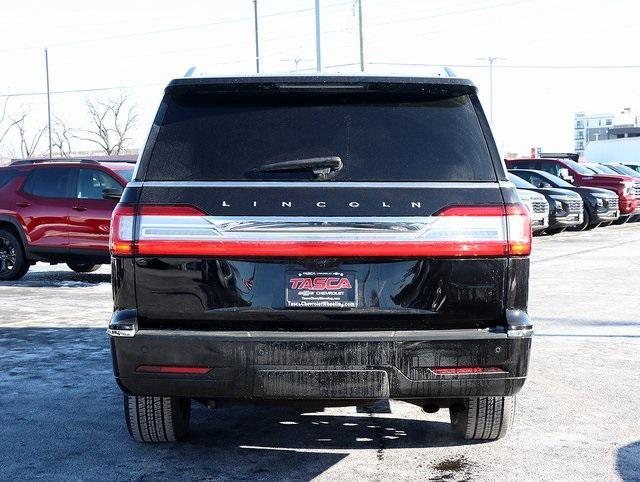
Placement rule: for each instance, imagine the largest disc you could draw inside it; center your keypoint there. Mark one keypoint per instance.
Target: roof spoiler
(325, 83)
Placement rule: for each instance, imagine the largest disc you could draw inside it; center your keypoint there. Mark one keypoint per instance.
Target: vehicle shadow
(628, 463)
(64, 420)
(59, 279)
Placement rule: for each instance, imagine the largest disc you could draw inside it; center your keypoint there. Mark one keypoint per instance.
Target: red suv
(627, 190)
(58, 212)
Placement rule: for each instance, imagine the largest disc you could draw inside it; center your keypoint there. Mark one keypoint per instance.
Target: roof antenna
(450, 73)
(190, 71)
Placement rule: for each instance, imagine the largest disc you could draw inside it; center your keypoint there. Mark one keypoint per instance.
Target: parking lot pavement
(577, 416)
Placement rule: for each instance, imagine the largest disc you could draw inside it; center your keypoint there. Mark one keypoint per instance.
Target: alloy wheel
(7, 255)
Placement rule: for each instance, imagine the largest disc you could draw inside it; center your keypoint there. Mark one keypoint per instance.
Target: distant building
(590, 127)
(599, 127)
(613, 150)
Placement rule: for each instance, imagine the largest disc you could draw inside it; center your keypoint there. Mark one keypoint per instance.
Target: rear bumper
(321, 365)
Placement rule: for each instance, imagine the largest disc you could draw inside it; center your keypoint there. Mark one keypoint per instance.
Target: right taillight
(518, 230)
(509, 226)
(121, 232)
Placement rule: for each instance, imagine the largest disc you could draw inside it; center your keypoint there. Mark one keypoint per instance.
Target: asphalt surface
(577, 416)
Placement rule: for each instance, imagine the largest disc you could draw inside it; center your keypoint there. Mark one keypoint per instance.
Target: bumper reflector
(173, 369)
(444, 371)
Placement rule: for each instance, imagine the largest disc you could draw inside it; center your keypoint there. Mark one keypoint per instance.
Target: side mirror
(114, 194)
(564, 174)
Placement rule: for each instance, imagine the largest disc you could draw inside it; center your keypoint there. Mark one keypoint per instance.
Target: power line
(481, 66)
(172, 29)
(402, 64)
(75, 91)
(447, 14)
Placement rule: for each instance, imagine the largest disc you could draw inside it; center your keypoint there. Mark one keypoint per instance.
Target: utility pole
(491, 60)
(361, 36)
(46, 67)
(255, 22)
(318, 52)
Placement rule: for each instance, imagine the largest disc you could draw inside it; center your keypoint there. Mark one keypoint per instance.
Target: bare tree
(61, 137)
(29, 140)
(111, 123)
(5, 127)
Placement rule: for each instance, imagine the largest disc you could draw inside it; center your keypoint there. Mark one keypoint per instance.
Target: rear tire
(157, 419)
(13, 261)
(83, 267)
(483, 418)
(592, 226)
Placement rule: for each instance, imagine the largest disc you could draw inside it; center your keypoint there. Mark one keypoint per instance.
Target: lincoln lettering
(323, 204)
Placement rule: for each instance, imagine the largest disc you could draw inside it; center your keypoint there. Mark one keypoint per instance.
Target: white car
(538, 209)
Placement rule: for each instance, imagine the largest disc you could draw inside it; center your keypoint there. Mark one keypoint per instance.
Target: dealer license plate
(313, 289)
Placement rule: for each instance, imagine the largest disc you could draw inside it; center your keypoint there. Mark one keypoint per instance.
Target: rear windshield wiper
(322, 167)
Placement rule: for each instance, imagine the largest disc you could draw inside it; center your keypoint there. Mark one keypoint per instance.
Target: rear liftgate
(455, 232)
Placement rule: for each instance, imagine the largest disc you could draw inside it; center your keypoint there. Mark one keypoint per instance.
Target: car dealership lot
(577, 415)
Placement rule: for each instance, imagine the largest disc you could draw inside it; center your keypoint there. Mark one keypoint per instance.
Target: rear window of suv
(211, 136)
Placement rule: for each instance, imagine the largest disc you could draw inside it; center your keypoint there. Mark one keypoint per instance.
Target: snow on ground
(576, 416)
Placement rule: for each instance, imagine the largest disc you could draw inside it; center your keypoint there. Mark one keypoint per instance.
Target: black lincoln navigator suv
(337, 240)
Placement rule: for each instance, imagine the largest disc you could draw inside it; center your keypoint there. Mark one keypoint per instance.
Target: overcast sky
(141, 45)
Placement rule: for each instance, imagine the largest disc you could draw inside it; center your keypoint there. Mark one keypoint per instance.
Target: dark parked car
(57, 211)
(579, 175)
(622, 169)
(317, 248)
(599, 205)
(565, 207)
(635, 165)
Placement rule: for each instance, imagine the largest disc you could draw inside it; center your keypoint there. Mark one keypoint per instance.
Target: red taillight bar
(303, 249)
(472, 211)
(515, 239)
(177, 210)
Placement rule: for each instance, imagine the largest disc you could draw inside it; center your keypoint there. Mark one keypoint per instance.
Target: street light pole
(255, 23)
(46, 68)
(361, 35)
(491, 60)
(318, 52)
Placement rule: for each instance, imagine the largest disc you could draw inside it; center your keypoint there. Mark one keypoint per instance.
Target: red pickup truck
(625, 187)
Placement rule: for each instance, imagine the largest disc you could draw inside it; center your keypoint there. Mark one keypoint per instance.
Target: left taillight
(121, 233)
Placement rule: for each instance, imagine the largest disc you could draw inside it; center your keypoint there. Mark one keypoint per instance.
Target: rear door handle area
(79, 208)
(23, 204)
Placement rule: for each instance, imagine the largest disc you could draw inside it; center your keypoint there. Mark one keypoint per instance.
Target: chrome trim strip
(308, 184)
(302, 228)
(121, 333)
(323, 336)
(520, 333)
